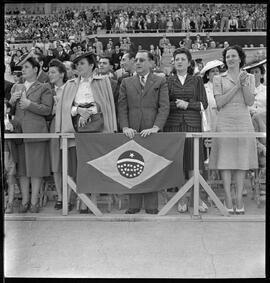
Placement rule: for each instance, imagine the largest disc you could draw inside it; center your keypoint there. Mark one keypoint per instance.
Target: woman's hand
(181, 104)
(15, 96)
(82, 121)
(84, 112)
(243, 76)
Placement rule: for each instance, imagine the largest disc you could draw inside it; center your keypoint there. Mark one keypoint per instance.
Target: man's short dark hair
(107, 57)
(149, 54)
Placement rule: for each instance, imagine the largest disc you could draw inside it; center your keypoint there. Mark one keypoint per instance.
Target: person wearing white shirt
(211, 69)
(258, 70)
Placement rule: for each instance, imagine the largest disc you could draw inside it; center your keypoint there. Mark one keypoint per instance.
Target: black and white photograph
(134, 140)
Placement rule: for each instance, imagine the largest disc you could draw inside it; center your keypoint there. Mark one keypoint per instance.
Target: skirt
(234, 153)
(188, 158)
(37, 159)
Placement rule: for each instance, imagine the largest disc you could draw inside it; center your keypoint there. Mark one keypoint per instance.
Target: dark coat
(142, 109)
(193, 92)
(8, 86)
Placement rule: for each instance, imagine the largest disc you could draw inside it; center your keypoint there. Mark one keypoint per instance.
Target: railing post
(65, 174)
(196, 177)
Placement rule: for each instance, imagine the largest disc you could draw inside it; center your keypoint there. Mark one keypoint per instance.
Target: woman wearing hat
(211, 69)
(33, 101)
(258, 70)
(58, 78)
(186, 93)
(234, 91)
(83, 90)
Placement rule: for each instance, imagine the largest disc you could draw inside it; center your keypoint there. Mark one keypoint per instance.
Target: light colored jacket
(103, 95)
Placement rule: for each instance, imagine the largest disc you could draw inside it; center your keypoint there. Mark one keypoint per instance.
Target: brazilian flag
(113, 163)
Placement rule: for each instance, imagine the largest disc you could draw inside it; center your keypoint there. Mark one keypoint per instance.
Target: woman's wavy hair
(240, 51)
(60, 67)
(184, 50)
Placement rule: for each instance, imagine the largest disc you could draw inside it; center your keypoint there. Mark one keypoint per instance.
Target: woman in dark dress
(186, 94)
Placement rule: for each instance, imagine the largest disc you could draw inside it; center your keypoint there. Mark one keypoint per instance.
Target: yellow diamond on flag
(130, 164)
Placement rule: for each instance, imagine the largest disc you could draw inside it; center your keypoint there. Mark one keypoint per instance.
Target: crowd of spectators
(71, 23)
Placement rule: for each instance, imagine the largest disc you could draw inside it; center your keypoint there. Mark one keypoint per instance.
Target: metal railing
(195, 181)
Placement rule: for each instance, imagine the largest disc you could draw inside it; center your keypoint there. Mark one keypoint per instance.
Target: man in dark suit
(143, 107)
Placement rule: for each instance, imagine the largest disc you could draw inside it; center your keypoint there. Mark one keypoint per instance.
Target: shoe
(244, 193)
(84, 211)
(230, 210)
(132, 211)
(9, 208)
(34, 208)
(152, 211)
(58, 205)
(24, 207)
(240, 211)
(182, 208)
(203, 207)
(70, 206)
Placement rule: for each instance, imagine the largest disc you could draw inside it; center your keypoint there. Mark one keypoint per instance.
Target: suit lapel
(137, 84)
(32, 88)
(149, 83)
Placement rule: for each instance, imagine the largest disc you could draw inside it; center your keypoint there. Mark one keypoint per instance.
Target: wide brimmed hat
(85, 55)
(210, 65)
(254, 64)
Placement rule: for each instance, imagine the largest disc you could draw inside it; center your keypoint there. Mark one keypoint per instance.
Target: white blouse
(259, 104)
(211, 110)
(84, 95)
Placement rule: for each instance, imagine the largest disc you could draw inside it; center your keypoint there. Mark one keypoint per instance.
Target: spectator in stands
(71, 70)
(207, 39)
(58, 78)
(116, 57)
(224, 24)
(62, 55)
(257, 69)
(33, 101)
(42, 76)
(234, 91)
(226, 44)
(233, 23)
(99, 46)
(187, 41)
(109, 50)
(211, 69)
(163, 42)
(105, 67)
(74, 101)
(197, 45)
(185, 107)
(177, 25)
(127, 63)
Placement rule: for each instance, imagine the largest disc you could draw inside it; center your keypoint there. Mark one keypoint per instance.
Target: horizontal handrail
(188, 135)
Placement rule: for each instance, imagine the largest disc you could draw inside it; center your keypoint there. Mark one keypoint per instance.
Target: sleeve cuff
(74, 111)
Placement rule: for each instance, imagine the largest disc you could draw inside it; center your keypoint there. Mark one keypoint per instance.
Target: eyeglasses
(141, 60)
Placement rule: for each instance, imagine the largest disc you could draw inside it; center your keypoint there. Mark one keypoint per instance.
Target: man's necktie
(142, 82)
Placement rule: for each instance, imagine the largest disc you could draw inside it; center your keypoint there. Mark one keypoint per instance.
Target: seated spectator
(187, 41)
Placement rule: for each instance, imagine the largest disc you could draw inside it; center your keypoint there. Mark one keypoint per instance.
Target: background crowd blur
(70, 23)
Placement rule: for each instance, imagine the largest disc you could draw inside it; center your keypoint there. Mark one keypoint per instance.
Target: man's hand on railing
(130, 133)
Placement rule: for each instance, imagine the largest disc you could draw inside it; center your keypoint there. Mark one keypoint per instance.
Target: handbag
(205, 125)
(94, 124)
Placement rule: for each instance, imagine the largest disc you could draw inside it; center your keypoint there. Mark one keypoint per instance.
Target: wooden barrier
(194, 181)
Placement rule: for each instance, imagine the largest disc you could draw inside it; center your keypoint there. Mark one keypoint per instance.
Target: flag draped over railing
(112, 163)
